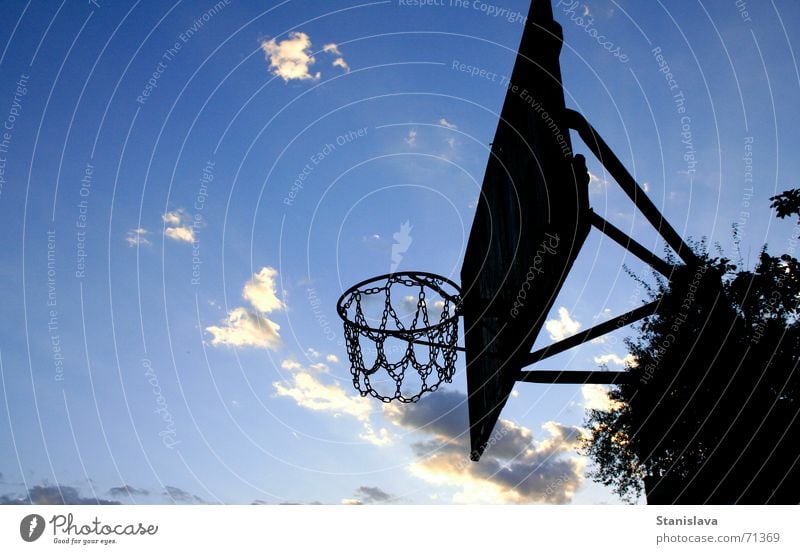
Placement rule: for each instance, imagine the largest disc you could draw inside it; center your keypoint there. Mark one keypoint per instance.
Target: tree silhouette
(712, 415)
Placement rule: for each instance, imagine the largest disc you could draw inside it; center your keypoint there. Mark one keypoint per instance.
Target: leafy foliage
(713, 411)
(787, 203)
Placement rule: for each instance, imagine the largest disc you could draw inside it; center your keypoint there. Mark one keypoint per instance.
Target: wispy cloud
(444, 123)
(245, 328)
(309, 392)
(368, 495)
(137, 237)
(306, 387)
(333, 49)
(180, 496)
(291, 58)
(52, 495)
(411, 138)
(127, 490)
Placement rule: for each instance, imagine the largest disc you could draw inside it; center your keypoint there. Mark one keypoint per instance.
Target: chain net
(411, 336)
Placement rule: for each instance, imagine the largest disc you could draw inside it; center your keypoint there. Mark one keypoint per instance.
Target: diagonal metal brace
(601, 150)
(558, 377)
(591, 333)
(618, 236)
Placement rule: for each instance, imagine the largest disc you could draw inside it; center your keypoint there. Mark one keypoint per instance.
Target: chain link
(441, 340)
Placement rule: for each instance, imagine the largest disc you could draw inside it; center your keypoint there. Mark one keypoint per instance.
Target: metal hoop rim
(404, 334)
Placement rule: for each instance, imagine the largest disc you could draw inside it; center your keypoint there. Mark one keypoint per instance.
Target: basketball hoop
(412, 334)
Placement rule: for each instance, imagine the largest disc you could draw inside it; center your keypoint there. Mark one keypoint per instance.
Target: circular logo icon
(31, 527)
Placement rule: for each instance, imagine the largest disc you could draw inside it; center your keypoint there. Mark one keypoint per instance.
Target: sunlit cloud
(306, 387)
(515, 468)
(245, 328)
(309, 392)
(628, 361)
(260, 291)
(595, 397)
(444, 123)
(290, 59)
(562, 327)
(178, 226)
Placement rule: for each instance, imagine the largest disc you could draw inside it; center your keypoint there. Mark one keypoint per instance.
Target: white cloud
(332, 358)
(351, 502)
(411, 138)
(137, 237)
(444, 123)
(306, 388)
(291, 365)
(290, 58)
(181, 234)
(595, 397)
(173, 218)
(312, 353)
(177, 226)
(260, 291)
(451, 142)
(310, 393)
(245, 328)
(562, 327)
(606, 359)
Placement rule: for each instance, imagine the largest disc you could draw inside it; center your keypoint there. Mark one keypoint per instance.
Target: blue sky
(187, 189)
